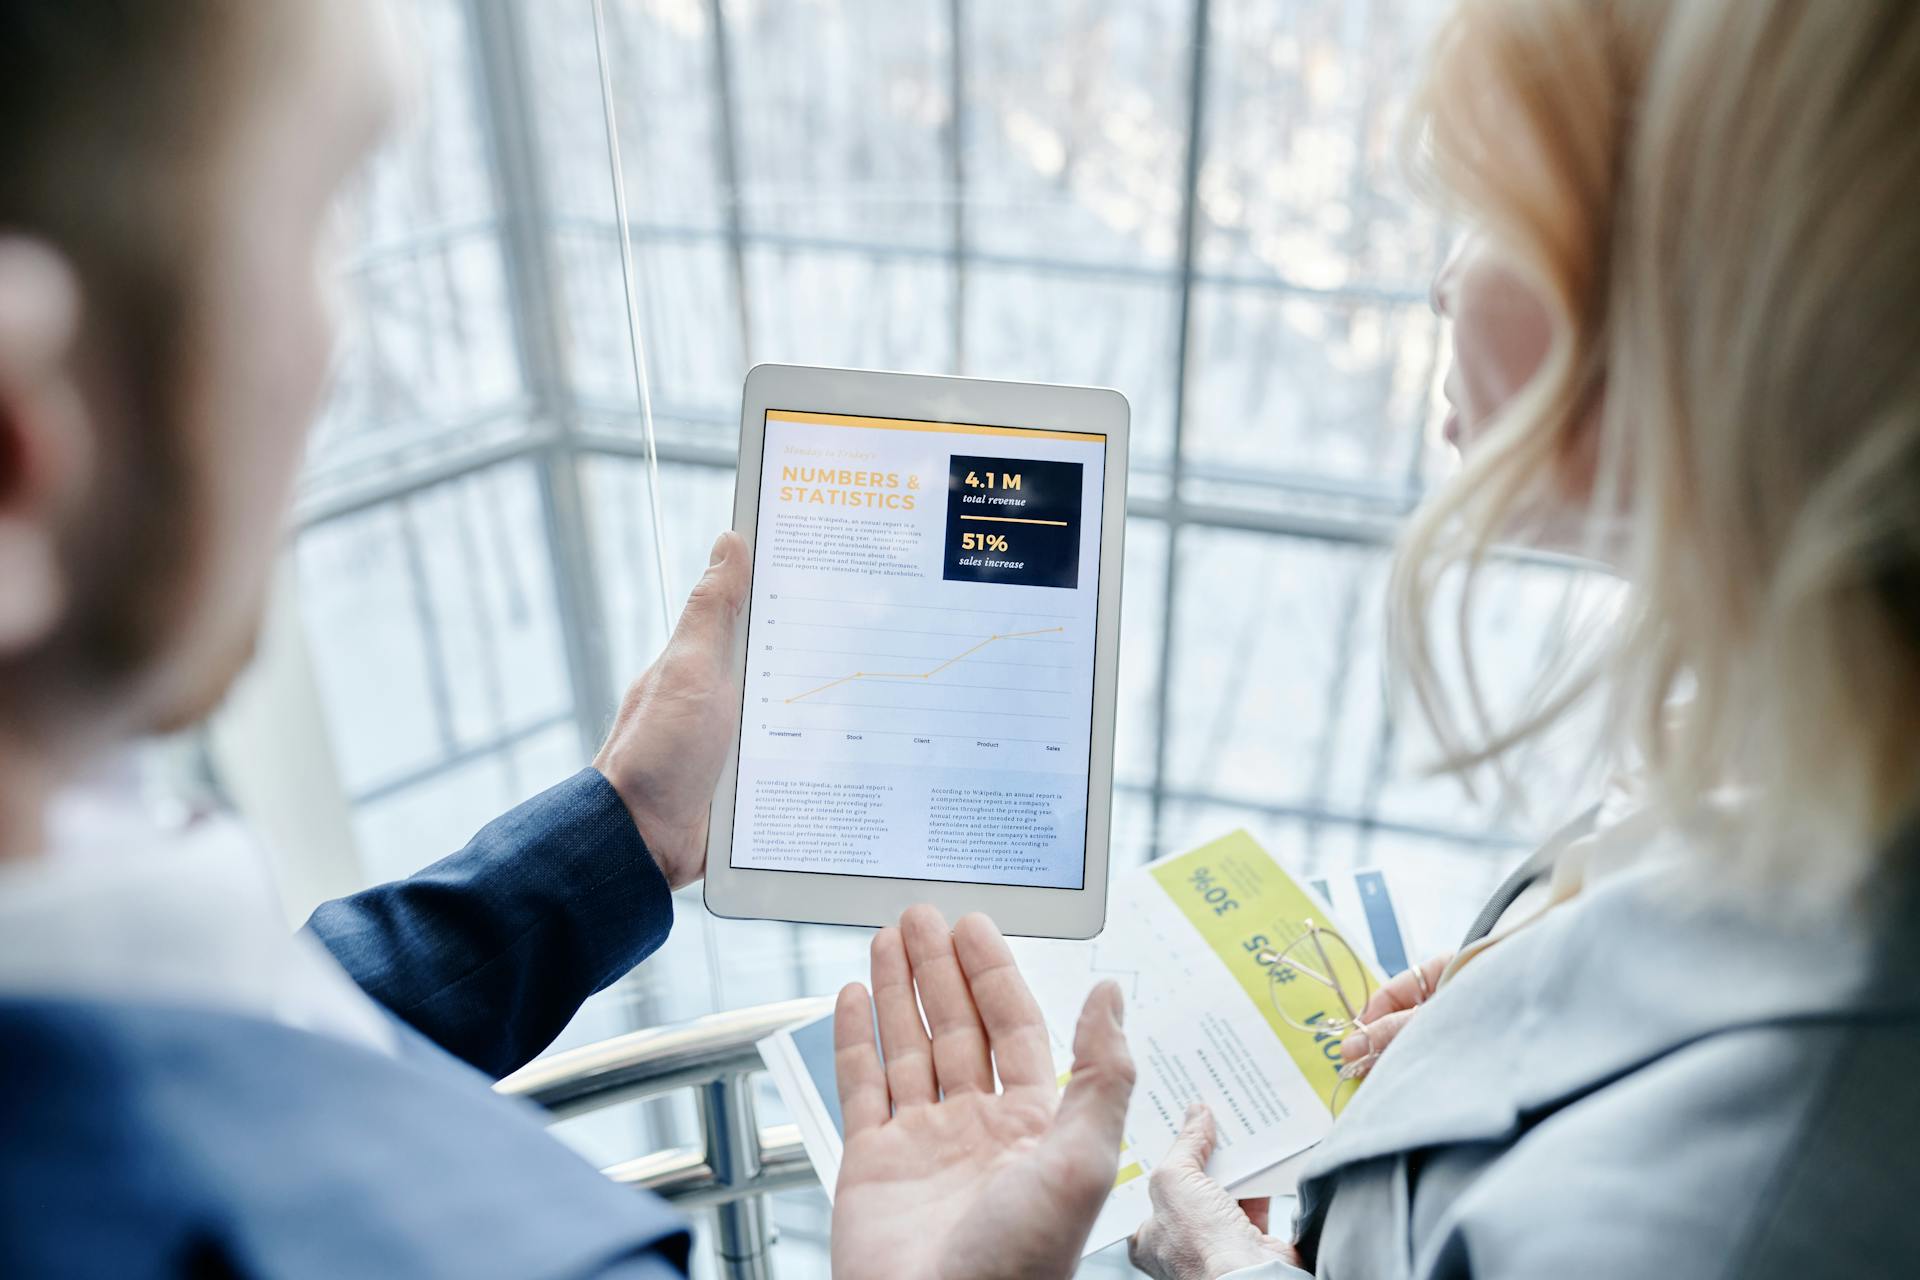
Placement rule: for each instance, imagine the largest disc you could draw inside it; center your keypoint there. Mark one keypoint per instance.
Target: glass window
(1190, 200)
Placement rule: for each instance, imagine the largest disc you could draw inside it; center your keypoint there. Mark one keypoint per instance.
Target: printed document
(1191, 940)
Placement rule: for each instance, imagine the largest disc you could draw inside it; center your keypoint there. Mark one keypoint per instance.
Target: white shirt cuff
(1275, 1270)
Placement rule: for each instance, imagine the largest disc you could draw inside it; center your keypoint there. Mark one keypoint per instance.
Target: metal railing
(737, 1162)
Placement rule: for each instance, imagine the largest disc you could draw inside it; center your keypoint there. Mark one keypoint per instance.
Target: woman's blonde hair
(1719, 203)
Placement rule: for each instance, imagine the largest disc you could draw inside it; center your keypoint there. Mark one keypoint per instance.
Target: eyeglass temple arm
(1353, 1014)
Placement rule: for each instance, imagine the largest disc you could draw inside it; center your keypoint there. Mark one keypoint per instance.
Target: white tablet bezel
(822, 898)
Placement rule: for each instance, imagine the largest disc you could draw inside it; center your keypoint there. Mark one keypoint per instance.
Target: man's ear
(46, 437)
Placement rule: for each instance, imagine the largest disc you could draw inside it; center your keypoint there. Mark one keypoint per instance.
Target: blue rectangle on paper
(1382, 923)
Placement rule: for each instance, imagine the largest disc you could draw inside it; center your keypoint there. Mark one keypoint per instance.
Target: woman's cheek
(1501, 337)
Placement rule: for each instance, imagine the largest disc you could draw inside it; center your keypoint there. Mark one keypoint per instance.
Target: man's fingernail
(1354, 1070)
(719, 552)
(1193, 1111)
(1357, 1045)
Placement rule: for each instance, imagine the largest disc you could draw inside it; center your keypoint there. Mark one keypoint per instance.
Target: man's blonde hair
(115, 112)
(1719, 203)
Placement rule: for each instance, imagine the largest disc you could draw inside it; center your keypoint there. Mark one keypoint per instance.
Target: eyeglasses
(1310, 964)
(1323, 964)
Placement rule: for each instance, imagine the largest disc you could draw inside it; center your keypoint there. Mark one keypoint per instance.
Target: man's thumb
(713, 606)
(1093, 1109)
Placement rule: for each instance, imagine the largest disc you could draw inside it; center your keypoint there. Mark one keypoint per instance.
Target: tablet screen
(920, 651)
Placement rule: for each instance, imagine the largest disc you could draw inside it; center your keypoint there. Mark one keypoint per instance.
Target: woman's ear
(46, 437)
(1579, 461)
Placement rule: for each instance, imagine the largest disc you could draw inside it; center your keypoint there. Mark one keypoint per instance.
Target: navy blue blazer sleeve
(489, 952)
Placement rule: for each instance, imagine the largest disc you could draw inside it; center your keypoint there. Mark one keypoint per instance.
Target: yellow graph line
(923, 675)
(1016, 520)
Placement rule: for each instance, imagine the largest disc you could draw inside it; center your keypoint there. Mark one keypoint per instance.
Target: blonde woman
(1685, 1039)
(1687, 337)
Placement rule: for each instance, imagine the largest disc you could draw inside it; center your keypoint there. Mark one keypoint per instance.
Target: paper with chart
(920, 651)
(1189, 941)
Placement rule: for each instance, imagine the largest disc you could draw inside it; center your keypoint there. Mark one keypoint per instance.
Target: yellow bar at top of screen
(911, 424)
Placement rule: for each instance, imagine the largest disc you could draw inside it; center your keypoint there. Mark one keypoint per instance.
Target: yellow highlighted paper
(1243, 904)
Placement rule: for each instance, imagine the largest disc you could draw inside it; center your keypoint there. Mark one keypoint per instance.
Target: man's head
(166, 177)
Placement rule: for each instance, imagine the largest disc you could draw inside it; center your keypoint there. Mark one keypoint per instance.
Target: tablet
(927, 662)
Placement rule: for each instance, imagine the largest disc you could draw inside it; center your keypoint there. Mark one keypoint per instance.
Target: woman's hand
(669, 741)
(1397, 1000)
(943, 1176)
(1197, 1230)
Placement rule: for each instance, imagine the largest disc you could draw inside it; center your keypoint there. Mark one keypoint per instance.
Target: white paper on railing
(1193, 1025)
(800, 1061)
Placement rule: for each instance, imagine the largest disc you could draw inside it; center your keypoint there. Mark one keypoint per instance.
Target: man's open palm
(942, 1175)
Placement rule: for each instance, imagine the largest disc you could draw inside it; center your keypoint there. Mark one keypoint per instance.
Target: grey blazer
(1641, 1084)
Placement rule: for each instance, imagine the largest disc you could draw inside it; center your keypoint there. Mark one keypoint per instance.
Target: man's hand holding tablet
(927, 666)
(675, 724)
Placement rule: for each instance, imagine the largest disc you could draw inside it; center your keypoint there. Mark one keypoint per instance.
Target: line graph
(923, 675)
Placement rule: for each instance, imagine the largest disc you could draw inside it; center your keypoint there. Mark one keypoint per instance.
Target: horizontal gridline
(913, 706)
(909, 631)
(944, 684)
(940, 608)
(905, 733)
(992, 662)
